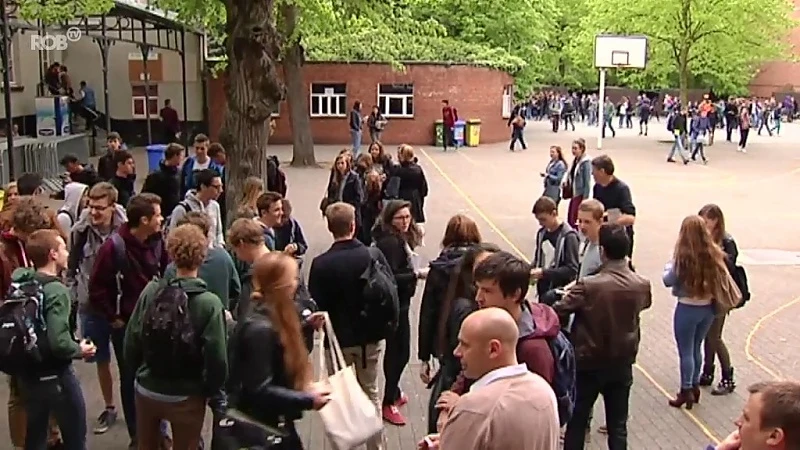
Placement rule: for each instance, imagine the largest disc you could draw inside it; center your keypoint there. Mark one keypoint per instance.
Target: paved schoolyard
(498, 188)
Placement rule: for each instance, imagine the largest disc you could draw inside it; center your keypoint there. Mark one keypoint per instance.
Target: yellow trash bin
(473, 132)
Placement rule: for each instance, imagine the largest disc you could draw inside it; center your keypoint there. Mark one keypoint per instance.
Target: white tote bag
(350, 418)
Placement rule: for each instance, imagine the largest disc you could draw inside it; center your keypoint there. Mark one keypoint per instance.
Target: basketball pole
(601, 107)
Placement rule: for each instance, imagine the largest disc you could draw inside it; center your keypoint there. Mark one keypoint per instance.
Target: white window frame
(402, 97)
(143, 99)
(332, 98)
(12, 69)
(152, 55)
(508, 100)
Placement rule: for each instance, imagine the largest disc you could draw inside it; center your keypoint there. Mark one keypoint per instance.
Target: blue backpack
(564, 380)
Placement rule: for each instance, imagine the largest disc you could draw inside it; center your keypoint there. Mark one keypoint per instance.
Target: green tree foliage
(494, 30)
(692, 43)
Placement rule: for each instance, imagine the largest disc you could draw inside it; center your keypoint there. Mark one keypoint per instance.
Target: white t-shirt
(201, 166)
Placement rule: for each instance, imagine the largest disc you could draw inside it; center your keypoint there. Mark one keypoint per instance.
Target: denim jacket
(670, 279)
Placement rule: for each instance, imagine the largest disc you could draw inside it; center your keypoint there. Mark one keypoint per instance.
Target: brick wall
(476, 92)
(780, 76)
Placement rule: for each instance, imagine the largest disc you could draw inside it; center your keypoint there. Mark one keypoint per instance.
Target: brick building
(781, 77)
(410, 100)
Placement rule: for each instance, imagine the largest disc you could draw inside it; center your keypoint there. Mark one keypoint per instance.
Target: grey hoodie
(86, 240)
(192, 203)
(70, 212)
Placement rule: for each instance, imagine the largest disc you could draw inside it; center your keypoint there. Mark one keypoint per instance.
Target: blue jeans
(677, 147)
(126, 378)
(355, 138)
(691, 324)
(61, 396)
(97, 328)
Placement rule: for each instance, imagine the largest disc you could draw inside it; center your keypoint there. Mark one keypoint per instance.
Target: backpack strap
(120, 265)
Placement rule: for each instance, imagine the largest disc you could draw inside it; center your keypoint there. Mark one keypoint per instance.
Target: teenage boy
(174, 377)
(51, 385)
(124, 176)
(555, 263)
(101, 218)
(27, 217)
(270, 215)
(124, 264)
(204, 199)
(105, 165)
(166, 181)
(218, 270)
(200, 161)
(246, 241)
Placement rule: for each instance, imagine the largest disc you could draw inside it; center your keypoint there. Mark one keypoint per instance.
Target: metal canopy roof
(128, 21)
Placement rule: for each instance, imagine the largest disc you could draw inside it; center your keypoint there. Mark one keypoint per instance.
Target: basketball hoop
(620, 58)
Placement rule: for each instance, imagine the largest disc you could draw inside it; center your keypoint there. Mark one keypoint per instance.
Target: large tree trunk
(683, 73)
(302, 139)
(253, 90)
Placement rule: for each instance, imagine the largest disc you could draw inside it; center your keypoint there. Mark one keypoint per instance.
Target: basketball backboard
(620, 51)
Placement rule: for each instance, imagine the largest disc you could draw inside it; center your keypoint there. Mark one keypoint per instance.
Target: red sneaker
(393, 415)
(402, 400)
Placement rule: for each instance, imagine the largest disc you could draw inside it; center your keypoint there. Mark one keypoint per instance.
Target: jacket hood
(22, 275)
(193, 202)
(450, 257)
(73, 193)
(117, 219)
(538, 321)
(189, 285)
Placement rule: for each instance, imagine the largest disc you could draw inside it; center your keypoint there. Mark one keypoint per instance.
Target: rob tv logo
(55, 41)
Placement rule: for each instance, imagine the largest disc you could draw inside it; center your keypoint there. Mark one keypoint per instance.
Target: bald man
(508, 407)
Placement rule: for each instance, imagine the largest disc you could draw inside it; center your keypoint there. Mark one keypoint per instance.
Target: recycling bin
(155, 153)
(438, 133)
(459, 133)
(473, 132)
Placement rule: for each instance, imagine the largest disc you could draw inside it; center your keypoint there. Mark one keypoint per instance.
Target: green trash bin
(438, 133)
(473, 134)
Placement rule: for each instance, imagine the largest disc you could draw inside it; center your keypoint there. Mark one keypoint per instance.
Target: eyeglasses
(98, 208)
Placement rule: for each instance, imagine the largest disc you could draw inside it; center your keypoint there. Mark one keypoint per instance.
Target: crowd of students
(199, 318)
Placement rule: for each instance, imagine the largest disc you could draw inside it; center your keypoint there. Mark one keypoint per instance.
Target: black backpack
(23, 331)
(169, 340)
(276, 179)
(379, 309)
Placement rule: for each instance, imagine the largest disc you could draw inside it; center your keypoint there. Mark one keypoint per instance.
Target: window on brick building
(328, 100)
(138, 100)
(508, 100)
(396, 100)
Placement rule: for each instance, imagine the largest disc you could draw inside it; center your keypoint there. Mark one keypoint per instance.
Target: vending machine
(52, 116)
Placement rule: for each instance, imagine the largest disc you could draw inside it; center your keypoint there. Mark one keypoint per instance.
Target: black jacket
(166, 183)
(430, 310)
(334, 281)
(353, 193)
(393, 248)
(106, 167)
(413, 188)
(124, 189)
(258, 384)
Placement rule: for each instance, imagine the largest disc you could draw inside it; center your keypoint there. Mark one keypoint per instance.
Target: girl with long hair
(578, 183)
(455, 304)
(344, 185)
(270, 373)
(554, 173)
(714, 345)
(371, 208)
(696, 270)
(397, 235)
(253, 188)
(413, 186)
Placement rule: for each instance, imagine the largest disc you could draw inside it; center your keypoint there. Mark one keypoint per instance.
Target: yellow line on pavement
(697, 421)
(748, 343)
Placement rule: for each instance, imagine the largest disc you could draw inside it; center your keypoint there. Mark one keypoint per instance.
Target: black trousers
(614, 384)
(395, 360)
